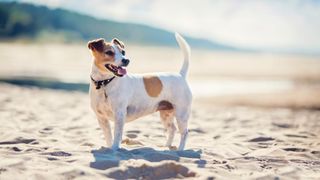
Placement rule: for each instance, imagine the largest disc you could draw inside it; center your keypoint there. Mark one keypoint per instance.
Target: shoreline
(227, 92)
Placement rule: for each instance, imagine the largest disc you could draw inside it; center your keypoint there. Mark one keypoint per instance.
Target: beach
(49, 134)
(246, 123)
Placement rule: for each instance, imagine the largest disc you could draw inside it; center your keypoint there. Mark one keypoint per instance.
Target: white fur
(125, 99)
(186, 53)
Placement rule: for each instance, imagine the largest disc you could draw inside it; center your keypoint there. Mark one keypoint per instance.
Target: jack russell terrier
(121, 97)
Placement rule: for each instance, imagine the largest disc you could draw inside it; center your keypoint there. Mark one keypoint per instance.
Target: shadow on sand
(167, 166)
(106, 158)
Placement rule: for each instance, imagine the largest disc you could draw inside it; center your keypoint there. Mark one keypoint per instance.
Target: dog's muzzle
(117, 70)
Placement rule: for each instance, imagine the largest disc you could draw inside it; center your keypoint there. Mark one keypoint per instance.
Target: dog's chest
(101, 105)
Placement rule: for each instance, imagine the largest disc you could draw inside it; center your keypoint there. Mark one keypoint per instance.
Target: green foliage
(39, 22)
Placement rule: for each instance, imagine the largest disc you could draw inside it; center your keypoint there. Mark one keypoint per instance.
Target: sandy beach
(50, 134)
(254, 116)
(252, 67)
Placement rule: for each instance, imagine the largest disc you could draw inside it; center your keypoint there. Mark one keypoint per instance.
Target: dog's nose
(125, 62)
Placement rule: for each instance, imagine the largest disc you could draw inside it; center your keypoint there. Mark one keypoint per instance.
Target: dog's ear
(96, 44)
(117, 41)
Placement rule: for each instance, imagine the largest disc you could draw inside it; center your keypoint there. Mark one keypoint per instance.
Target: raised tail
(186, 54)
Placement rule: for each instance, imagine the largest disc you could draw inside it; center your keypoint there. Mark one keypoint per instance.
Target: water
(204, 88)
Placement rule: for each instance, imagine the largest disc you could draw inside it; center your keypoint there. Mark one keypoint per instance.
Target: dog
(120, 97)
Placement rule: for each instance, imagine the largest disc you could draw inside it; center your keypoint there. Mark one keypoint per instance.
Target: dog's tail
(186, 54)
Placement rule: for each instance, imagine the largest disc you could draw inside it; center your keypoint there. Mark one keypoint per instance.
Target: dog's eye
(110, 53)
(123, 53)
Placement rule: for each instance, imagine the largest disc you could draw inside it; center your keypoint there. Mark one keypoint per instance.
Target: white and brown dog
(121, 97)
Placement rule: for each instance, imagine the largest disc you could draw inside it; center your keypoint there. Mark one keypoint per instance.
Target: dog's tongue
(122, 71)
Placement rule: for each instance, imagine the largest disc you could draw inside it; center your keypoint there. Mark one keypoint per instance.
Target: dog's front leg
(118, 128)
(105, 126)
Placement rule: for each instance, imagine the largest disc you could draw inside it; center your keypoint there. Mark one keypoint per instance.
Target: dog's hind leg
(182, 116)
(167, 117)
(105, 126)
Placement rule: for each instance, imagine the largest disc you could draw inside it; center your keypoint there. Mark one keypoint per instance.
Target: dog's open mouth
(116, 70)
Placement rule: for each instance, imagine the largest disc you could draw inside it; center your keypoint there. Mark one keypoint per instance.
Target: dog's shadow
(105, 158)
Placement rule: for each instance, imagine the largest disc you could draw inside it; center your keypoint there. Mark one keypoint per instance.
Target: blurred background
(258, 53)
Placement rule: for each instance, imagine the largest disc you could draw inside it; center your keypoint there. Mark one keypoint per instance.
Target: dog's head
(109, 57)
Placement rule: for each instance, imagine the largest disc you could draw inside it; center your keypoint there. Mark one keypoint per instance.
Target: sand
(254, 116)
(52, 134)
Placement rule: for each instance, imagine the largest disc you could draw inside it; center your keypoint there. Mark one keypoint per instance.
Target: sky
(274, 25)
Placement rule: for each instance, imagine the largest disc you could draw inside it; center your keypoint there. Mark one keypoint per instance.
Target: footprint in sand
(2, 170)
(58, 153)
(19, 140)
(316, 153)
(134, 131)
(47, 130)
(16, 149)
(261, 139)
(52, 158)
(132, 136)
(295, 149)
(283, 125)
(197, 130)
(36, 149)
(296, 136)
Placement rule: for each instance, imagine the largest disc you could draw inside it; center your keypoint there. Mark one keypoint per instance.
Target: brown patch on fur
(165, 116)
(165, 106)
(98, 48)
(97, 44)
(153, 85)
(99, 112)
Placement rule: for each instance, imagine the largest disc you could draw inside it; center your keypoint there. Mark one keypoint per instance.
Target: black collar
(105, 82)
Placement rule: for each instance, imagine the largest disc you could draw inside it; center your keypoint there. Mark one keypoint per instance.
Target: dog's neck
(97, 75)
